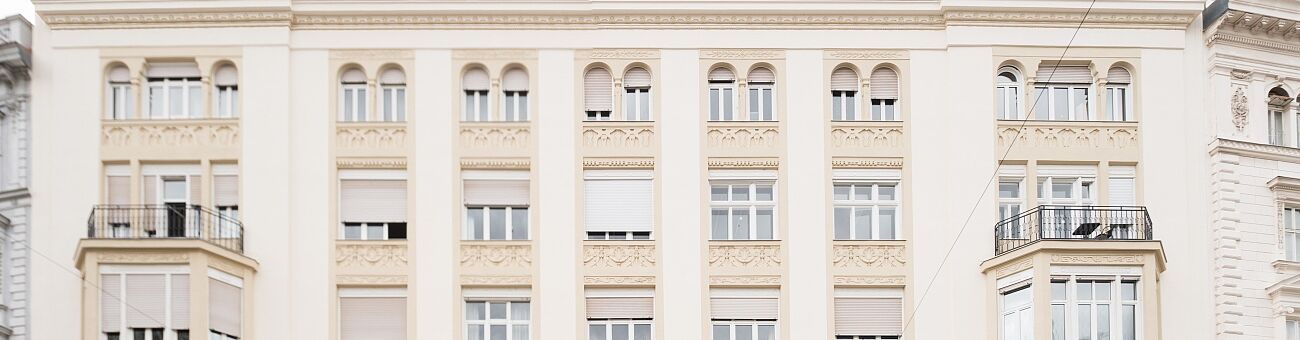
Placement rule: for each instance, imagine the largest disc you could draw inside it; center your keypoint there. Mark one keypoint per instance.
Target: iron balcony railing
(1060, 222)
(169, 221)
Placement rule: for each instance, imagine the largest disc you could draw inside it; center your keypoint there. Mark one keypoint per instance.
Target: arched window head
(118, 98)
(844, 94)
(392, 76)
(636, 94)
(392, 91)
(225, 96)
(119, 74)
(475, 83)
(598, 96)
(1008, 94)
(514, 95)
(761, 96)
(353, 106)
(721, 75)
(1278, 99)
(884, 94)
(1119, 106)
(353, 76)
(722, 94)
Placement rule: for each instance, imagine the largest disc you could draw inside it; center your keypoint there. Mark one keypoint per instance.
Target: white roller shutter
(1066, 171)
(373, 200)
(618, 200)
(636, 77)
(372, 318)
(475, 80)
(620, 307)
(762, 75)
(180, 301)
(225, 314)
(196, 189)
(868, 316)
(353, 76)
(1123, 186)
(496, 193)
(752, 308)
(844, 79)
(721, 74)
(225, 190)
(515, 80)
(173, 70)
(742, 174)
(119, 190)
(1118, 75)
(149, 190)
(110, 302)
(119, 74)
(884, 84)
(146, 296)
(1063, 74)
(598, 90)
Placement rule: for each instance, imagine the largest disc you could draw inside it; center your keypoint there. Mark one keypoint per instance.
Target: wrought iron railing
(1060, 222)
(165, 221)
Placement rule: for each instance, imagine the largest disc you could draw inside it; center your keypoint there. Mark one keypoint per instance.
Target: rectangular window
(1122, 190)
(225, 103)
(1291, 233)
(1008, 102)
(145, 303)
(1095, 307)
(1017, 316)
(353, 108)
(394, 103)
(372, 313)
(1117, 103)
(844, 105)
(496, 205)
(598, 115)
(1061, 102)
(372, 204)
(496, 320)
(866, 210)
(743, 313)
(174, 98)
(721, 98)
(636, 103)
(476, 106)
(515, 105)
(883, 109)
(1292, 329)
(760, 102)
(225, 306)
(620, 313)
(119, 100)
(619, 204)
(1010, 204)
(743, 210)
(1276, 127)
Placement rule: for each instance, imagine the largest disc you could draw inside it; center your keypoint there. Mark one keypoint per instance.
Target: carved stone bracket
(745, 256)
(869, 256)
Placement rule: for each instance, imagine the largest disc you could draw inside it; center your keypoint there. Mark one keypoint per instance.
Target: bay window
(1088, 307)
(743, 209)
(144, 302)
(1017, 313)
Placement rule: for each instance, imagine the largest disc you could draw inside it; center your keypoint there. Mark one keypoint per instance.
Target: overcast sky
(24, 7)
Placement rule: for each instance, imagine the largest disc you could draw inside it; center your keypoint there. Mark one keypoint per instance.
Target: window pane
(841, 192)
(718, 193)
(842, 222)
(619, 332)
(1085, 322)
(721, 332)
(476, 332)
(497, 219)
(1062, 188)
(888, 223)
(740, 223)
(351, 232)
(875, 109)
(754, 113)
(498, 332)
(766, 332)
(744, 332)
(475, 310)
(862, 192)
(483, 106)
(520, 332)
(1060, 103)
(641, 332)
(885, 192)
(174, 190)
(474, 217)
(740, 193)
(1040, 103)
(374, 232)
(715, 104)
(862, 223)
(1081, 104)
(851, 105)
(1128, 290)
(596, 332)
(1103, 322)
(1058, 290)
(727, 111)
(156, 98)
(643, 97)
(361, 105)
(767, 105)
(1058, 322)
(719, 224)
(1083, 290)
(763, 192)
(519, 223)
(1102, 290)
(1001, 100)
(401, 105)
(837, 110)
(496, 310)
(175, 101)
(519, 310)
(1130, 322)
(764, 221)
(509, 106)
(1009, 190)
(523, 110)
(195, 101)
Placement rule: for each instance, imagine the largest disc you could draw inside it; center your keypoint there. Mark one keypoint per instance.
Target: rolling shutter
(867, 174)
(373, 200)
(1064, 74)
(598, 90)
(743, 308)
(196, 189)
(110, 302)
(119, 74)
(353, 76)
(496, 193)
(475, 80)
(150, 188)
(119, 190)
(1118, 75)
(762, 75)
(868, 316)
(1123, 186)
(620, 308)
(844, 79)
(372, 318)
(146, 295)
(1066, 171)
(884, 84)
(225, 76)
(515, 80)
(225, 190)
(636, 77)
(180, 301)
(173, 70)
(721, 74)
(224, 303)
(619, 200)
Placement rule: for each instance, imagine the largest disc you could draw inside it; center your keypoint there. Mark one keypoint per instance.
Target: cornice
(1232, 38)
(169, 20)
(1068, 19)
(1259, 24)
(1254, 150)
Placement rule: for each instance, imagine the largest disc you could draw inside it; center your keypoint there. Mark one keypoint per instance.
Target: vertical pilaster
(557, 171)
(682, 169)
(807, 294)
(308, 252)
(433, 237)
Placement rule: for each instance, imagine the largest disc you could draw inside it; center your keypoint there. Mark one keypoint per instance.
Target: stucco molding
(1097, 259)
(866, 54)
(490, 136)
(742, 137)
(744, 163)
(619, 138)
(372, 54)
(745, 280)
(370, 163)
(745, 54)
(869, 280)
(619, 256)
(142, 257)
(1014, 267)
(1068, 19)
(494, 54)
(495, 163)
(1118, 137)
(745, 256)
(618, 280)
(370, 255)
(495, 280)
(865, 163)
(171, 133)
(636, 54)
(370, 136)
(632, 163)
(496, 256)
(168, 20)
(848, 136)
(1254, 150)
(370, 279)
(1240, 108)
(875, 256)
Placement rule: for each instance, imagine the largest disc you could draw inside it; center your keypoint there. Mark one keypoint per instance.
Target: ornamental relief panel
(621, 139)
(871, 280)
(496, 256)
(143, 257)
(161, 138)
(370, 255)
(743, 280)
(869, 256)
(496, 138)
(619, 256)
(618, 280)
(1097, 259)
(1081, 137)
(868, 139)
(745, 256)
(370, 279)
(369, 139)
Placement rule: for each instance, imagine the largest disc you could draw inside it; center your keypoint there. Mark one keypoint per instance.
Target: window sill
(1286, 266)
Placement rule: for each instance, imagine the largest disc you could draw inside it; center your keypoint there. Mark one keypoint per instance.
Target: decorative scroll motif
(744, 163)
(618, 163)
(378, 255)
(864, 54)
(143, 258)
(869, 256)
(1014, 267)
(618, 137)
(1097, 258)
(495, 163)
(618, 280)
(1240, 110)
(1071, 137)
(619, 256)
(871, 280)
(496, 256)
(742, 54)
(370, 279)
(745, 280)
(362, 163)
(866, 137)
(495, 136)
(171, 134)
(355, 137)
(625, 54)
(1240, 74)
(743, 137)
(866, 163)
(495, 280)
(747, 256)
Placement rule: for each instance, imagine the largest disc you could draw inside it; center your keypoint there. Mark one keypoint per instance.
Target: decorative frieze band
(864, 54)
(365, 255)
(496, 256)
(763, 280)
(869, 256)
(756, 163)
(371, 163)
(495, 280)
(372, 54)
(745, 256)
(1094, 259)
(618, 256)
(637, 54)
(143, 257)
(492, 164)
(638, 163)
(166, 20)
(888, 163)
(618, 280)
(371, 279)
(870, 280)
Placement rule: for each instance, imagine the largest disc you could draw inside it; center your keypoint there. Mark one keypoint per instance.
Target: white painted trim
(618, 174)
(371, 292)
(506, 293)
(170, 169)
(228, 278)
(1013, 279)
(1012, 171)
(144, 269)
(620, 292)
(372, 174)
(1095, 270)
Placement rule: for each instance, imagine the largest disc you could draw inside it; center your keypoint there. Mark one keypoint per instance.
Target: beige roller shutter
(515, 80)
(749, 308)
(884, 84)
(225, 302)
(476, 80)
(598, 88)
(762, 75)
(620, 307)
(173, 70)
(119, 190)
(844, 79)
(1118, 75)
(392, 76)
(636, 77)
(1123, 186)
(180, 301)
(225, 190)
(618, 200)
(496, 192)
(721, 74)
(146, 296)
(150, 190)
(1063, 74)
(196, 189)
(353, 76)
(110, 302)
(868, 316)
(373, 200)
(372, 318)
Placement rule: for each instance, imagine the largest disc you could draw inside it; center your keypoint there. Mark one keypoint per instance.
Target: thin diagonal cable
(1023, 121)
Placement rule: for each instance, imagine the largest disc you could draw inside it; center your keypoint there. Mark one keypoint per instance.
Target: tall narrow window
(884, 94)
(744, 313)
(392, 86)
(868, 313)
(352, 95)
(866, 204)
(174, 91)
(1008, 93)
(762, 83)
(1122, 187)
(722, 88)
(1292, 329)
(514, 93)
(1011, 200)
(372, 204)
(743, 205)
(636, 94)
(1095, 307)
(1291, 233)
(619, 204)
(844, 94)
(225, 198)
(372, 313)
(1017, 313)
(225, 306)
(1118, 103)
(1062, 93)
(497, 319)
(1278, 100)
(225, 96)
(597, 96)
(496, 205)
(620, 313)
(475, 84)
(119, 95)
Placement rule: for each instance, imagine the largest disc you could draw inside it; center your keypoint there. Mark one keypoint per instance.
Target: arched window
(475, 83)
(514, 90)
(636, 96)
(352, 85)
(884, 94)
(722, 92)
(1008, 93)
(1278, 99)
(174, 90)
(119, 96)
(761, 87)
(597, 93)
(844, 94)
(392, 86)
(225, 98)
(1118, 101)
(1061, 92)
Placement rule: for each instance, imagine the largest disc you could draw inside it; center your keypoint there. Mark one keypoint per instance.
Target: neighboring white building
(15, 166)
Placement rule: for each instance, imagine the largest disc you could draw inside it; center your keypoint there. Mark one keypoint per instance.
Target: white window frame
(393, 105)
(1083, 191)
(754, 324)
(725, 106)
(477, 106)
(484, 210)
(166, 85)
(1021, 311)
(1051, 99)
(847, 109)
(514, 106)
(1291, 233)
(752, 205)
(225, 101)
(119, 101)
(1277, 125)
(630, 323)
(1009, 207)
(365, 226)
(359, 111)
(626, 235)
(633, 100)
(488, 321)
(874, 204)
(1292, 329)
(1123, 107)
(762, 102)
(1115, 305)
(1011, 95)
(888, 108)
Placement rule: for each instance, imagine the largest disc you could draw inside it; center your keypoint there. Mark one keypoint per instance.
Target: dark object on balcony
(1060, 222)
(169, 221)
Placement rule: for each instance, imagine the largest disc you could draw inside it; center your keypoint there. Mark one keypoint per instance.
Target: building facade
(599, 170)
(15, 175)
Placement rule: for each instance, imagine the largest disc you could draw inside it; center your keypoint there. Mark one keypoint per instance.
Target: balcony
(1072, 223)
(154, 222)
